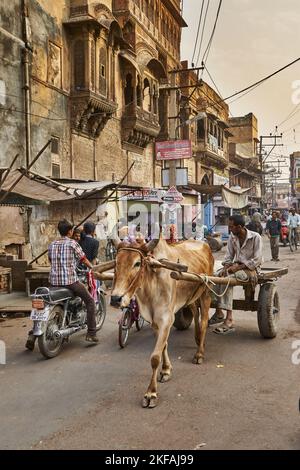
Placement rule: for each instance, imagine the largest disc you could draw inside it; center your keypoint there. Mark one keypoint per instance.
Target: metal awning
(206, 189)
(41, 188)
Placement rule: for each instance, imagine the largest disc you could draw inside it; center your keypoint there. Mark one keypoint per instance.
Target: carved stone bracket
(139, 127)
(90, 112)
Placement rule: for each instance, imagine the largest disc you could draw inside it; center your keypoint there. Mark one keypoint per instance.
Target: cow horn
(151, 245)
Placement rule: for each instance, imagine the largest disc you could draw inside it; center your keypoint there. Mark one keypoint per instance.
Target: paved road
(245, 395)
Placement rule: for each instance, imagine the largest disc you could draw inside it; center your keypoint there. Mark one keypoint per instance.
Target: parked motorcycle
(57, 314)
(284, 233)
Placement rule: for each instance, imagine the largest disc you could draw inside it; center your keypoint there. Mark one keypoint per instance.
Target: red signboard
(173, 149)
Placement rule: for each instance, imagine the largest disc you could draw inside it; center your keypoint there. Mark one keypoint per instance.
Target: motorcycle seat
(60, 293)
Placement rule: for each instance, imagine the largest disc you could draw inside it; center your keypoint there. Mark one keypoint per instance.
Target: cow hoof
(149, 402)
(198, 360)
(164, 377)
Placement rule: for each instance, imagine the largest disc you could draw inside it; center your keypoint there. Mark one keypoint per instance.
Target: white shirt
(294, 220)
(249, 254)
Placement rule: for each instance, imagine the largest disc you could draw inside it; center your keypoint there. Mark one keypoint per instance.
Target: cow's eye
(137, 264)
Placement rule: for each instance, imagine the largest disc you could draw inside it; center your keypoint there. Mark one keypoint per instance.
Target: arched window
(128, 90)
(102, 71)
(146, 96)
(79, 65)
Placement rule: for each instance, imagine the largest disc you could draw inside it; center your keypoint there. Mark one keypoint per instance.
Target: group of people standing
(273, 226)
(273, 230)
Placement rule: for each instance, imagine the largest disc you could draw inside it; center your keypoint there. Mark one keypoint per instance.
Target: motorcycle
(284, 233)
(57, 314)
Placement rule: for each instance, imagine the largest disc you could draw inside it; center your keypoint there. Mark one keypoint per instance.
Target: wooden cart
(266, 303)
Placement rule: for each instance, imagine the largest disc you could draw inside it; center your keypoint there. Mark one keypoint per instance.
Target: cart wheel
(183, 319)
(268, 312)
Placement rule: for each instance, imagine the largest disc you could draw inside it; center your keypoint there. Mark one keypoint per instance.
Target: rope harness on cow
(204, 278)
(142, 268)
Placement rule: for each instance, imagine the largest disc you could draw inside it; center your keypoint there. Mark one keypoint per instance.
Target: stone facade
(243, 154)
(95, 75)
(209, 135)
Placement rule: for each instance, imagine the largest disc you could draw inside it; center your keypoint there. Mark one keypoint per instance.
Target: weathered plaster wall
(50, 83)
(44, 220)
(12, 132)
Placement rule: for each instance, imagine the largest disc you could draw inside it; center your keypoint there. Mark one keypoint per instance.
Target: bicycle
(110, 251)
(130, 315)
(293, 240)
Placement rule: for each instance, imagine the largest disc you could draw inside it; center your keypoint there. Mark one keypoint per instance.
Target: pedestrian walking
(273, 231)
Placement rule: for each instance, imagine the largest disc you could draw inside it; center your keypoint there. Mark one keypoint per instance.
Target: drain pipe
(26, 80)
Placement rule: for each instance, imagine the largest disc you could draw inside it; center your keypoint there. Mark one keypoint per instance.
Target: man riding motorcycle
(64, 255)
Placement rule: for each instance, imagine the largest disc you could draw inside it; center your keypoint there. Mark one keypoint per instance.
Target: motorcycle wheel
(50, 346)
(100, 311)
(124, 327)
(284, 242)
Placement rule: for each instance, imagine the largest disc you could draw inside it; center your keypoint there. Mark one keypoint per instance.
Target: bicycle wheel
(139, 323)
(100, 311)
(124, 327)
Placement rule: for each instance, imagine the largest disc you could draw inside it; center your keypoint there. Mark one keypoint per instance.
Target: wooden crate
(5, 280)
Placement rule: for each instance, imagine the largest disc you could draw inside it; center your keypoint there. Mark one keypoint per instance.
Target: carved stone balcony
(139, 127)
(90, 112)
(210, 154)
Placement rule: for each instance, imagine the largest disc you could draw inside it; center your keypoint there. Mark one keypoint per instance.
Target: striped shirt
(64, 255)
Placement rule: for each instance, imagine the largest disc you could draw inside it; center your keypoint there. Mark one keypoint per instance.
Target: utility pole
(263, 159)
(174, 113)
(173, 124)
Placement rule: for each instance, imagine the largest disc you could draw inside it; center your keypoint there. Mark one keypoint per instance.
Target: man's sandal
(224, 329)
(215, 319)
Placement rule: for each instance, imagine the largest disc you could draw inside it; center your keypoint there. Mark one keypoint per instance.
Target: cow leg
(162, 331)
(196, 313)
(166, 370)
(205, 301)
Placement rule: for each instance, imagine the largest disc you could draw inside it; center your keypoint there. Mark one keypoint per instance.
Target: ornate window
(93, 59)
(138, 93)
(79, 65)
(102, 71)
(147, 96)
(128, 91)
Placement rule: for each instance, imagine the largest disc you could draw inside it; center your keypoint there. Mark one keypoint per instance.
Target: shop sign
(173, 149)
(172, 196)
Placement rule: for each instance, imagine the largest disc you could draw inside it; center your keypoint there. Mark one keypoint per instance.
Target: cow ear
(151, 245)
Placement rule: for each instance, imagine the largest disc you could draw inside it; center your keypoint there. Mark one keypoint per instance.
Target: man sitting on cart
(242, 260)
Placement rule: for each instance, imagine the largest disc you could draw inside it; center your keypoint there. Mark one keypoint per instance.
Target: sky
(253, 39)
